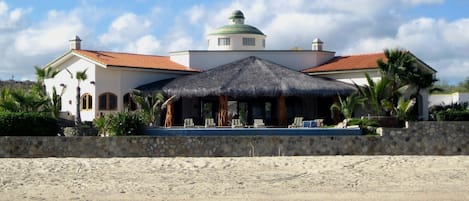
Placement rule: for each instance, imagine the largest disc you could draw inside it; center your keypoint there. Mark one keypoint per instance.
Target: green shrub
(452, 115)
(121, 124)
(368, 126)
(27, 124)
(362, 122)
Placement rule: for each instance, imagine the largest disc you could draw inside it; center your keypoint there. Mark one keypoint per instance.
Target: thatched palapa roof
(154, 86)
(253, 76)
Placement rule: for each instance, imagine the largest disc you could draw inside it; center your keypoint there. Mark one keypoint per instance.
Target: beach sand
(244, 178)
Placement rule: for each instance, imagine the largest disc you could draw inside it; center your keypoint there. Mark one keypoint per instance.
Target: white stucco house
(448, 99)
(112, 75)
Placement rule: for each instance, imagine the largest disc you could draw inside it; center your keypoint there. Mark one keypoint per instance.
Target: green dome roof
(237, 29)
(237, 14)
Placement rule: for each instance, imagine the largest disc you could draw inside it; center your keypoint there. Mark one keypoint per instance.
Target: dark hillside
(16, 84)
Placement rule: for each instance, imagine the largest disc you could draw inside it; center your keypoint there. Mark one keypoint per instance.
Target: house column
(168, 121)
(282, 111)
(223, 111)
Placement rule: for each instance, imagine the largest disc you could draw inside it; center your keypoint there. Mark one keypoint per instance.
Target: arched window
(107, 101)
(86, 102)
(129, 103)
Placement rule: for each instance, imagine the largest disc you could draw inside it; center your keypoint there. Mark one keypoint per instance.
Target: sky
(34, 32)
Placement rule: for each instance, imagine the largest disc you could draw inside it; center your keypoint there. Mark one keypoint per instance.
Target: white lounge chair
(188, 123)
(209, 123)
(297, 123)
(259, 123)
(236, 123)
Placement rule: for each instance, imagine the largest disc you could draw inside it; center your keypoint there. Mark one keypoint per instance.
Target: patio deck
(228, 131)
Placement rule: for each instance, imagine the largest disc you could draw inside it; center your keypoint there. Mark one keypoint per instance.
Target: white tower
(75, 44)
(317, 44)
(236, 35)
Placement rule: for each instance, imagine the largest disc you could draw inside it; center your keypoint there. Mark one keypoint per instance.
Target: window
(207, 110)
(249, 41)
(223, 41)
(86, 102)
(107, 101)
(129, 103)
(263, 42)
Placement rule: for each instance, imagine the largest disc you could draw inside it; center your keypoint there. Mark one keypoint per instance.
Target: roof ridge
(364, 54)
(104, 51)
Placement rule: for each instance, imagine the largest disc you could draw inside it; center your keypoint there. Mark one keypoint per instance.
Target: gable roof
(133, 60)
(352, 62)
(120, 59)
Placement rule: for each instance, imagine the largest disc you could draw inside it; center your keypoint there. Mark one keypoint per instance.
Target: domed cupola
(236, 35)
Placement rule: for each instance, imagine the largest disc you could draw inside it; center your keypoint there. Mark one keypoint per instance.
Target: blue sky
(33, 32)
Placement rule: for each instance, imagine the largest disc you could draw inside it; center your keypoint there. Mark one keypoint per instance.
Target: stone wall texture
(420, 138)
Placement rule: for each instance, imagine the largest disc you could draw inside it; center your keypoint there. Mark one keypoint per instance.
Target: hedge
(452, 116)
(27, 124)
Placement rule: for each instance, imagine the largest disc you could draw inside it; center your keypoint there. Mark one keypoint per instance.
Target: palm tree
(7, 102)
(407, 79)
(347, 107)
(151, 104)
(54, 105)
(375, 92)
(398, 63)
(45, 73)
(79, 76)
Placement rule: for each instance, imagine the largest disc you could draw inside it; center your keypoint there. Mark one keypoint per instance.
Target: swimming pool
(252, 131)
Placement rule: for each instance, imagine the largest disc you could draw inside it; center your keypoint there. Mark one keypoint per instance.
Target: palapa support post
(282, 111)
(223, 111)
(168, 121)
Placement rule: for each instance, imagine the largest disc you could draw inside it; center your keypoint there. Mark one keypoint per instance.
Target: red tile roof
(133, 60)
(352, 62)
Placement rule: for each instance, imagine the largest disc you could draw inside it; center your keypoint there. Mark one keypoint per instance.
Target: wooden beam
(282, 111)
(168, 121)
(223, 111)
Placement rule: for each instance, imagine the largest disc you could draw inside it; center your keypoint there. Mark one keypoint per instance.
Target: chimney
(317, 44)
(75, 44)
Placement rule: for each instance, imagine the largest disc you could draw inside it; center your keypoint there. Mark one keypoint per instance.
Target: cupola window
(223, 41)
(249, 41)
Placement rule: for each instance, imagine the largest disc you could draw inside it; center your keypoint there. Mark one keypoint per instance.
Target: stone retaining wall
(421, 138)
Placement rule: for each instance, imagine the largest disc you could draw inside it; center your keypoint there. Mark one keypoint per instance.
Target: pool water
(252, 131)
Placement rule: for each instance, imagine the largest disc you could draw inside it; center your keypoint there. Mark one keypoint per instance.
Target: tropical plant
(375, 93)
(368, 126)
(20, 100)
(45, 73)
(7, 102)
(123, 123)
(405, 77)
(404, 107)
(56, 102)
(79, 76)
(54, 105)
(101, 124)
(151, 104)
(347, 107)
(394, 69)
(29, 101)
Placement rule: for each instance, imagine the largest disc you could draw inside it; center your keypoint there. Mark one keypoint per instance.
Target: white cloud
(10, 20)
(29, 44)
(125, 29)
(419, 2)
(195, 14)
(441, 44)
(48, 36)
(147, 44)
(347, 27)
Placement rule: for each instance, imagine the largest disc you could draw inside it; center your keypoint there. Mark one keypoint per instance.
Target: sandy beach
(256, 178)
